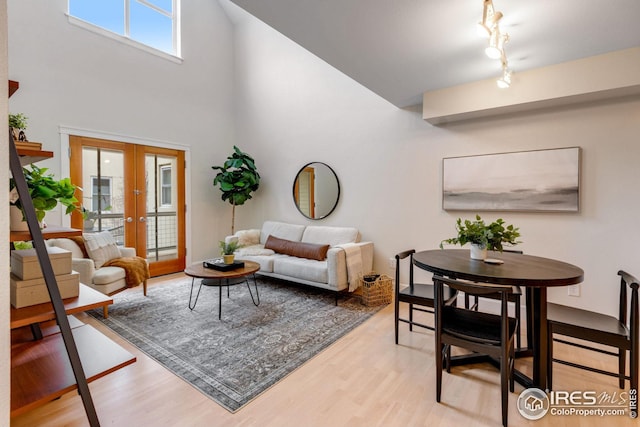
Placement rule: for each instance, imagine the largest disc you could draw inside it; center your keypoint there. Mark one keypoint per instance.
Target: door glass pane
(162, 214)
(103, 191)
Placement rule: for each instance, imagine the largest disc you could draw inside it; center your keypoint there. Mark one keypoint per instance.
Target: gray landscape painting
(543, 180)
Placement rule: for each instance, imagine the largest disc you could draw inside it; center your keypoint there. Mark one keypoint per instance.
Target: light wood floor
(362, 380)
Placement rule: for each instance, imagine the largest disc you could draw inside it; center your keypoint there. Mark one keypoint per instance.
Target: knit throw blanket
(136, 268)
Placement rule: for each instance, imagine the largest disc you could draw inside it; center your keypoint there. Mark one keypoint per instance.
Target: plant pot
(228, 259)
(15, 222)
(478, 252)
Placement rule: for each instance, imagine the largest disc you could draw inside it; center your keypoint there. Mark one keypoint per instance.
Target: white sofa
(347, 258)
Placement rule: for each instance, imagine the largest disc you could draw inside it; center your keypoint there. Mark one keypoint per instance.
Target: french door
(136, 192)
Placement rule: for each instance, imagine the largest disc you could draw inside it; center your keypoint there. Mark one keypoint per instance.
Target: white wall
(72, 77)
(293, 108)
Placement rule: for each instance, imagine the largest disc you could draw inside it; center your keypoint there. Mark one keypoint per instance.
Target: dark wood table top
(199, 271)
(517, 269)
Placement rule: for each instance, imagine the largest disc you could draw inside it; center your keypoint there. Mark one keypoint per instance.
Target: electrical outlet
(392, 263)
(573, 291)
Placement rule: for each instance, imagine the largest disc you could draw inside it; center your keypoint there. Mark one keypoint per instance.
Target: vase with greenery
(484, 236)
(228, 249)
(45, 191)
(17, 123)
(237, 179)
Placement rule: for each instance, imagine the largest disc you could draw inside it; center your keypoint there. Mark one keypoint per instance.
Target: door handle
(129, 219)
(143, 219)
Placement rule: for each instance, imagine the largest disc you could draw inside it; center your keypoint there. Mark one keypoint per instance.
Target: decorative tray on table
(218, 264)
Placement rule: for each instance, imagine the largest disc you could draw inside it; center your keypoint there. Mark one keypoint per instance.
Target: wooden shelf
(41, 371)
(33, 156)
(87, 299)
(13, 86)
(51, 232)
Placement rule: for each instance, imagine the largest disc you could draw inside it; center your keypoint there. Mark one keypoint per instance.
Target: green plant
(491, 236)
(228, 248)
(46, 192)
(237, 179)
(18, 121)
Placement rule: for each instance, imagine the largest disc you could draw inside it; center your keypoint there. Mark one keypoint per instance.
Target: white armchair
(107, 280)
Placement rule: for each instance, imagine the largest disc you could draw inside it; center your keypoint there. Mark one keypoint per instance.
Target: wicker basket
(376, 292)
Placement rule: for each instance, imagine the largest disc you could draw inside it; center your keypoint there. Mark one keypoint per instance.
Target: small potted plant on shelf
(227, 249)
(17, 125)
(483, 237)
(45, 191)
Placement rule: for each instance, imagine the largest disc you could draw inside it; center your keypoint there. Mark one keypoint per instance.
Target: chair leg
(397, 315)
(105, 311)
(622, 366)
(504, 383)
(633, 362)
(411, 317)
(512, 359)
(439, 356)
(518, 318)
(144, 288)
(549, 357)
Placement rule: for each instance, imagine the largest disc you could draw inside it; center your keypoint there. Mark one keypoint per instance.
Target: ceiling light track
(489, 26)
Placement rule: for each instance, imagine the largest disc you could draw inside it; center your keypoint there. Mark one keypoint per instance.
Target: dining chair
(620, 332)
(514, 298)
(484, 333)
(419, 296)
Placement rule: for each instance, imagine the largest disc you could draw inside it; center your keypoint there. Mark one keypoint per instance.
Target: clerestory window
(153, 23)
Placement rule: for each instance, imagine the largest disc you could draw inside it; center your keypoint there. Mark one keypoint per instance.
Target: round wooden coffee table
(212, 277)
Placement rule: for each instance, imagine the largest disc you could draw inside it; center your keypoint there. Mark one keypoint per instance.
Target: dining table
(533, 273)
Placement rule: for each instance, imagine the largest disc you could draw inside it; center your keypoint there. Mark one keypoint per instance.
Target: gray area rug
(235, 359)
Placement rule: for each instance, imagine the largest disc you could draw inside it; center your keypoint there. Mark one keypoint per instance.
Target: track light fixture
(490, 18)
(505, 80)
(489, 26)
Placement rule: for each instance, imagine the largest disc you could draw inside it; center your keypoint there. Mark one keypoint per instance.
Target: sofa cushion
(101, 247)
(265, 261)
(297, 249)
(331, 235)
(107, 275)
(302, 268)
(281, 230)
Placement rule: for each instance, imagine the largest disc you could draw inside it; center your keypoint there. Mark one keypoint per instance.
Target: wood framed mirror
(316, 190)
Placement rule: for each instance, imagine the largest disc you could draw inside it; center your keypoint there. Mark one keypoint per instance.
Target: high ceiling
(402, 48)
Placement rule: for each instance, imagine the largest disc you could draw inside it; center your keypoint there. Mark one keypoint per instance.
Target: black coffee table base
(220, 283)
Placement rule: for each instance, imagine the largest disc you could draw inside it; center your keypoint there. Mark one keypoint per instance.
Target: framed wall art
(540, 180)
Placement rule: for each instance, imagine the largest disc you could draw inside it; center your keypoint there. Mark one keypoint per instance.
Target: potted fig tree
(237, 179)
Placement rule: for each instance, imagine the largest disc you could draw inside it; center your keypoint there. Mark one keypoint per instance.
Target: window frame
(164, 185)
(126, 39)
(94, 195)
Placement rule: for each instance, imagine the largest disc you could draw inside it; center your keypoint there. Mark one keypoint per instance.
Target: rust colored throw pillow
(297, 249)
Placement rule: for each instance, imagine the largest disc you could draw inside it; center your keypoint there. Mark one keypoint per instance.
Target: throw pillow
(101, 247)
(298, 249)
(248, 237)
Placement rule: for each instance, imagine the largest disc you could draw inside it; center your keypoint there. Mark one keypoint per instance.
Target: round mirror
(316, 190)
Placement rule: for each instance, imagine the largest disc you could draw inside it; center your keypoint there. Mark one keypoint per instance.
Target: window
(100, 194)
(153, 23)
(165, 185)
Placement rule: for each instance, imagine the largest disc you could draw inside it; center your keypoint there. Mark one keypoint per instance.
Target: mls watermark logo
(533, 404)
